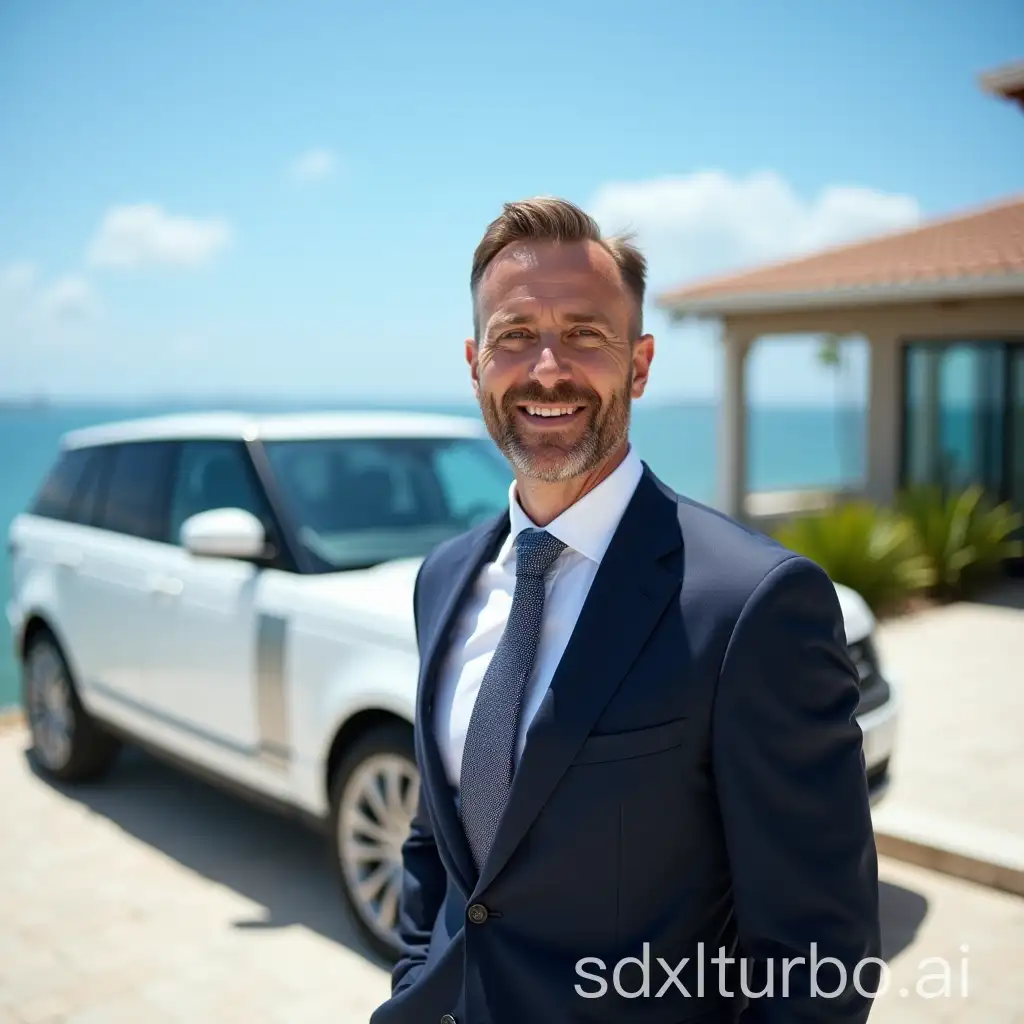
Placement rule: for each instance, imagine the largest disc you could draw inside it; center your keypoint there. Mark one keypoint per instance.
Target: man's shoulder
(722, 547)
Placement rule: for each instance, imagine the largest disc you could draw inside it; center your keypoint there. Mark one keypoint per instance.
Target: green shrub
(868, 549)
(964, 537)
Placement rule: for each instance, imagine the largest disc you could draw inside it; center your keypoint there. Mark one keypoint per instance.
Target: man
(642, 785)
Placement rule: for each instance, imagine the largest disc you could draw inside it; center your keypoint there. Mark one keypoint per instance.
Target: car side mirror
(225, 533)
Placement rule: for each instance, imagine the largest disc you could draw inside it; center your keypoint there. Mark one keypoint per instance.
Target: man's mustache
(561, 395)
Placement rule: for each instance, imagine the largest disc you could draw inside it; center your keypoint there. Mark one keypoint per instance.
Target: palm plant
(870, 550)
(964, 537)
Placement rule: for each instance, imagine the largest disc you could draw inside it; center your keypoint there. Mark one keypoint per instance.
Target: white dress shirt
(586, 528)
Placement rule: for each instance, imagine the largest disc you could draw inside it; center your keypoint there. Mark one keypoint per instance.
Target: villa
(941, 309)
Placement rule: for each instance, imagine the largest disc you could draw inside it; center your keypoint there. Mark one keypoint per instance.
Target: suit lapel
(630, 592)
(462, 570)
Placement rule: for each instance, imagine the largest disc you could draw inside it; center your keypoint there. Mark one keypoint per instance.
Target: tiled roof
(980, 249)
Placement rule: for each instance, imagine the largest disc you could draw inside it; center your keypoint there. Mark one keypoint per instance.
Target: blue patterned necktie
(489, 752)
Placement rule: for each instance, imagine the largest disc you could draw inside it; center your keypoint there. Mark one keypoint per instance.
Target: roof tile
(982, 243)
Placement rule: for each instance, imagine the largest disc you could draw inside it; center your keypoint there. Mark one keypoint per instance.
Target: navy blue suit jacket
(693, 784)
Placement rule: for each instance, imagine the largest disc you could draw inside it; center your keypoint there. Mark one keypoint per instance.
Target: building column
(732, 425)
(884, 415)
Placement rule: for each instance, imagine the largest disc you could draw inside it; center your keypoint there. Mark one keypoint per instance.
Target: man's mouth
(551, 412)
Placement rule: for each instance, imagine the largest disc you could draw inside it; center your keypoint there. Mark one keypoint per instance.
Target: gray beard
(600, 439)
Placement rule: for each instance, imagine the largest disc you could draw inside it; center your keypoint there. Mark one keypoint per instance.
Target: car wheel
(67, 743)
(374, 794)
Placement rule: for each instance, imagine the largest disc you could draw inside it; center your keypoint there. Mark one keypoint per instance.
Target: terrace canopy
(941, 308)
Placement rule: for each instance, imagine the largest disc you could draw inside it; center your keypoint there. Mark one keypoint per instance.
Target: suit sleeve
(424, 880)
(789, 770)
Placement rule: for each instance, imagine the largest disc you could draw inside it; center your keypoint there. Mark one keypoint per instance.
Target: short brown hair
(548, 219)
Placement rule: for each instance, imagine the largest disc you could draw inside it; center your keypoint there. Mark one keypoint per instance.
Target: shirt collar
(588, 525)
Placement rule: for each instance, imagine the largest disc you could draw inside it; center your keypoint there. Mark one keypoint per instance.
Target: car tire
(67, 743)
(374, 790)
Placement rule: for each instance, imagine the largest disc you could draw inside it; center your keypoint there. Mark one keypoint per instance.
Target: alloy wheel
(377, 808)
(48, 706)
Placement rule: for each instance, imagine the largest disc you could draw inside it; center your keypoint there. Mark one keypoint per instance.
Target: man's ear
(643, 356)
(473, 359)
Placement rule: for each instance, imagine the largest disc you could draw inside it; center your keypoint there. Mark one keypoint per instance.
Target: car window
(470, 479)
(360, 501)
(135, 499)
(67, 489)
(213, 474)
(90, 487)
(359, 485)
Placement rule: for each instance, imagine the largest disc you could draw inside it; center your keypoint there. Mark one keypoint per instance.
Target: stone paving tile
(100, 926)
(931, 916)
(156, 900)
(959, 752)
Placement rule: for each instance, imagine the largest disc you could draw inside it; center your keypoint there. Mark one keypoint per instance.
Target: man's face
(556, 366)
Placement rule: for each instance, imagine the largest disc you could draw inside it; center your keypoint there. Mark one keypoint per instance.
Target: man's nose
(548, 371)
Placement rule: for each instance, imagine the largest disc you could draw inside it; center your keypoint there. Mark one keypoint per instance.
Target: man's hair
(547, 219)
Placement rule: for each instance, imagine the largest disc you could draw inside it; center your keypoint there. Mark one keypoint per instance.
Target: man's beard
(548, 457)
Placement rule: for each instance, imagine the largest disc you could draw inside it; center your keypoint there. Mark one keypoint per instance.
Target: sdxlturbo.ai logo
(870, 976)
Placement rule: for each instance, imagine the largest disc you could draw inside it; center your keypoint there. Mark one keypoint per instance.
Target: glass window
(1016, 439)
(89, 492)
(210, 475)
(469, 481)
(134, 503)
(360, 501)
(64, 493)
(955, 410)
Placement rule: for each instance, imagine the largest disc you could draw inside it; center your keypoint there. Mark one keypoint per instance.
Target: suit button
(448, 1019)
(477, 913)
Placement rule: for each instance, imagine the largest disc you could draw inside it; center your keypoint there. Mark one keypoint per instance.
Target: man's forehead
(546, 272)
(553, 258)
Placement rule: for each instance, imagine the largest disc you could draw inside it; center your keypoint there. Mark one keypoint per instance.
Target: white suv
(235, 593)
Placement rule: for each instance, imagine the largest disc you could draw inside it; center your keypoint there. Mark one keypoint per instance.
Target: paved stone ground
(936, 926)
(961, 670)
(154, 899)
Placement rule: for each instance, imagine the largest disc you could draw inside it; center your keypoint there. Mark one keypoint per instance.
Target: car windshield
(357, 502)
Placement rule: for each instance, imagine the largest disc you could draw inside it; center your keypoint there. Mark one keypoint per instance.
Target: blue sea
(790, 448)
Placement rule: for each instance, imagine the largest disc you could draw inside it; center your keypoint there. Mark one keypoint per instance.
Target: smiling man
(643, 794)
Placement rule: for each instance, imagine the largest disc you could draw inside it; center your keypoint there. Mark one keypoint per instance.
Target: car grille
(878, 772)
(878, 776)
(865, 658)
(874, 690)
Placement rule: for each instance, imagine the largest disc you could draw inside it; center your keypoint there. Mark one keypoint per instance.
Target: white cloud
(144, 235)
(69, 299)
(708, 222)
(36, 312)
(314, 165)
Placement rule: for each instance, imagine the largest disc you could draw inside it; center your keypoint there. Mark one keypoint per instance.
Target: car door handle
(166, 586)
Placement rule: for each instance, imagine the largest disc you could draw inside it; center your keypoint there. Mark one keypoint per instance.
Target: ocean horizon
(790, 448)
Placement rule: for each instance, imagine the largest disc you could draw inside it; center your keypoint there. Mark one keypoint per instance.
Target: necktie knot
(536, 551)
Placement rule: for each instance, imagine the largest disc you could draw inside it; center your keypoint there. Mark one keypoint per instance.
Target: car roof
(276, 426)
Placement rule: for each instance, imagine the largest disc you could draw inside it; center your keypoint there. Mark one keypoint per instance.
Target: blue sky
(222, 198)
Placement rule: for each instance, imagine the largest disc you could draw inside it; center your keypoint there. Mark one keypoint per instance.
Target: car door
(120, 612)
(216, 635)
(51, 544)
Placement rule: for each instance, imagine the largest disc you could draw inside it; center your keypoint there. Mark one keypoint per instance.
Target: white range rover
(235, 593)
